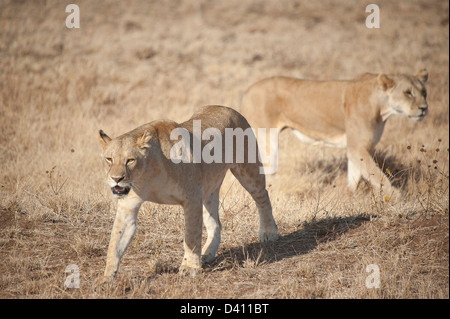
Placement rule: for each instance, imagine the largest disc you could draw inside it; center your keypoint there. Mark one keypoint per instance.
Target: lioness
(349, 114)
(139, 168)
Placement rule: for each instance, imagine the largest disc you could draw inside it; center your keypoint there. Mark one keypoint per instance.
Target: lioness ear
(385, 82)
(423, 75)
(103, 138)
(144, 141)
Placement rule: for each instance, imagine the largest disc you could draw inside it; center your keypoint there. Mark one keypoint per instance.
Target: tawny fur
(140, 161)
(347, 114)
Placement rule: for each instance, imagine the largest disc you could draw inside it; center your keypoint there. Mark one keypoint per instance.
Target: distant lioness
(347, 114)
(139, 168)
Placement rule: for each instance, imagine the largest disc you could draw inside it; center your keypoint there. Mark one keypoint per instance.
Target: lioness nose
(423, 108)
(117, 179)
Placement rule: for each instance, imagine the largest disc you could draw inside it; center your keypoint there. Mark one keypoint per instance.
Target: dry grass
(134, 62)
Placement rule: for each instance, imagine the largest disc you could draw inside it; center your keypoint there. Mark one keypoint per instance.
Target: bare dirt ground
(131, 62)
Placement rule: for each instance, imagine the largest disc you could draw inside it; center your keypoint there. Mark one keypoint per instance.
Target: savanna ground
(131, 62)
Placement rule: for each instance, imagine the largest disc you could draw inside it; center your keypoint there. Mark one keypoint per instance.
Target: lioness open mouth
(417, 118)
(117, 190)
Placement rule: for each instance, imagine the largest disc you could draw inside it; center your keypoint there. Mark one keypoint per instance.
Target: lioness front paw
(268, 236)
(103, 283)
(269, 233)
(207, 258)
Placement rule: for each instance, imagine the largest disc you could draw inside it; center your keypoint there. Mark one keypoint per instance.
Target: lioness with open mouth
(139, 168)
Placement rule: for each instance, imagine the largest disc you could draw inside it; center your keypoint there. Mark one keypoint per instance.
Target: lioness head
(124, 158)
(407, 94)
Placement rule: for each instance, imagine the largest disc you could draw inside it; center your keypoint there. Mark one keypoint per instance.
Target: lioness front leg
(353, 173)
(122, 233)
(191, 263)
(361, 164)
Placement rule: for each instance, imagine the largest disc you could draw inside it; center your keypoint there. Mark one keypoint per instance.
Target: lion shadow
(297, 243)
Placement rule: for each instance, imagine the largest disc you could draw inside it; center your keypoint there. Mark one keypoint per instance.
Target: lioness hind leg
(255, 184)
(192, 238)
(212, 224)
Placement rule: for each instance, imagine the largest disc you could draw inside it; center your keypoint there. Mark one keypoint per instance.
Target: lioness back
(214, 116)
(268, 104)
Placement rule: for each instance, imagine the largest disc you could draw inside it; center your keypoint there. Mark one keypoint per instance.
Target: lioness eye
(108, 160)
(130, 161)
(408, 93)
